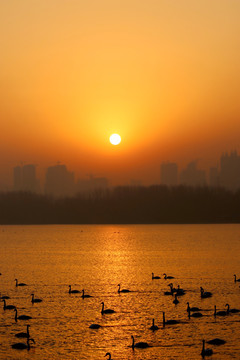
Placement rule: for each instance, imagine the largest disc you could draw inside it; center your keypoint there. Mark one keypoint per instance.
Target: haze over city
(163, 74)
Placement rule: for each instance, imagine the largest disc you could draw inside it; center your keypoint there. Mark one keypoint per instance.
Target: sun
(115, 139)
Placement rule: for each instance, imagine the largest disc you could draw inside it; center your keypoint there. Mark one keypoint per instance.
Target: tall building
(24, 178)
(169, 174)
(230, 170)
(59, 181)
(192, 176)
(214, 177)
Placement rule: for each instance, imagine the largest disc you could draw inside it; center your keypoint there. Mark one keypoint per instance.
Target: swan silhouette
(107, 311)
(94, 326)
(123, 290)
(219, 313)
(235, 278)
(73, 291)
(153, 327)
(85, 295)
(109, 356)
(194, 308)
(8, 307)
(20, 284)
(23, 334)
(231, 310)
(169, 322)
(206, 352)
(168, 276)
(139, 345)
(35, 300)
(21, 317)
(155, 277)
(180, 291)
(194, 314)
(216, 341)
(22, 346)
(205, 294)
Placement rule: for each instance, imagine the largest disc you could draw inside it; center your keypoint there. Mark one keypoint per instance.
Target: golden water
(97, 258)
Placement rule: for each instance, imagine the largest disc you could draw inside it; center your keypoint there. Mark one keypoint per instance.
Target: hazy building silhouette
(24, 178)
(169, 174)
(230, 170)
(91, 184)
(214, 177)
(192, 176)
(59, 181)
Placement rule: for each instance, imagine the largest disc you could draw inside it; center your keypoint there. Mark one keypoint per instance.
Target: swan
(231, 310)
(94, 326)
(153, 327)
(216, 341)
(140, 345)
(194, 314)
(109, 356)
(85, 296)
(176, 301)
(123, 290)
(168, 276)
(235, 278)
(35, 300)
(206, 352)
(4, 297)
(23, 334)
(219, 313)
(20, 284)
(73, 291)
(107, 311)
(169, 322)
(21, 317)
(205, 294)
(22, 346)
(155, 277)
(180, 291)
(8, 307)
(173, 290)
(194, 308)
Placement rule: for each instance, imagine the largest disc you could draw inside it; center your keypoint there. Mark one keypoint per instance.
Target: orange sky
(164, 74)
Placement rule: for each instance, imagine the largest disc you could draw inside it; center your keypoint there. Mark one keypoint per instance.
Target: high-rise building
(169, 174)
(59, 181)
(230, 170)
(192, 176)
(24, 178)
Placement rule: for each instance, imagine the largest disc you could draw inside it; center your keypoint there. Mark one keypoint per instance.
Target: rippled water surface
(97, 259)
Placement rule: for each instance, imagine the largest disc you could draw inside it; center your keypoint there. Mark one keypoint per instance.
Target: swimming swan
(168, 276)
(153, 327)
(73, 291)
(139, 345)
(169, 322)
(21, 317)
(123, 290)
(206, 352)
(35, 300)
(155, 277)
(20, 284)
(22, 346)
(8, 307)
(85, 295)
(205, 294)
(107, 311)
(109, 356)
(219, 313)
(23, 334)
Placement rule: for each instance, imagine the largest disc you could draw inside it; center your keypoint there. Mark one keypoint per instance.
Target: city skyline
(60, 181)
(163, 75)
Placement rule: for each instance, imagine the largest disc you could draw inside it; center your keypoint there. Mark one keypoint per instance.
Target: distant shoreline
(151, 205)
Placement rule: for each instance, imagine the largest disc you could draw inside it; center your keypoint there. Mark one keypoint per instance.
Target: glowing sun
(115, 139)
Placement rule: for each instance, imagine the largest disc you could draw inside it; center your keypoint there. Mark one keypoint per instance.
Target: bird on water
(19, 284)
(233, 311)
(194, 308)
(168, 276)
(85, 295)
(94, 326)
(153, 327)
(235, 278)
(73, 291)
(205, 294)
(106, 311)
(109, 356)
(22, 346)
(155, 277)
(219, 313)
(123, 290)
(206, 352)
(35, 300)
(216, 341)
(23, 334)
(21, 317)
(139, 345)
(169, 322)
(8, 307)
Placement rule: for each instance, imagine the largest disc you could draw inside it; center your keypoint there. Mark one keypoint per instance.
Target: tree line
(124, 205)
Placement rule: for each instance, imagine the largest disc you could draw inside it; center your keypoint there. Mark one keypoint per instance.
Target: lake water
(97, 259)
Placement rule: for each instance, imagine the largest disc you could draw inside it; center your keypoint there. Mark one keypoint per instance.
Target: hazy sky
(164, 74)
